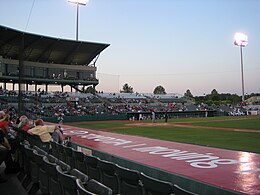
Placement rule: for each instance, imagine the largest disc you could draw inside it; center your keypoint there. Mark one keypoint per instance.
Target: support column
(21, 106)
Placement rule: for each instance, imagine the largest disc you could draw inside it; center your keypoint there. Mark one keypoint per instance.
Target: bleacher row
(56, 169)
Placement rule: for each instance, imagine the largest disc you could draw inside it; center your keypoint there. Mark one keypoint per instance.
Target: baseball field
(234, 133)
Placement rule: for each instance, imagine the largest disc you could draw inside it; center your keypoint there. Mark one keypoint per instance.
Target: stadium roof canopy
(43, 49)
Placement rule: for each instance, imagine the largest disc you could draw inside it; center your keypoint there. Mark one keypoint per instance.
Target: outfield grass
(245, 141)
(251, 122)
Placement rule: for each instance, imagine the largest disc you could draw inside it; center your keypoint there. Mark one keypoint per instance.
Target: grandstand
(29, 59)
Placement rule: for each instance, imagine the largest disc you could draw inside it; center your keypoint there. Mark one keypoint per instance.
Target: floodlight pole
(242, 73)
(77, 23)
(77, 2)
(241, 40)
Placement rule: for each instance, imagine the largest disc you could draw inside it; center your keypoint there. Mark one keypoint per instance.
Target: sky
(178, 44)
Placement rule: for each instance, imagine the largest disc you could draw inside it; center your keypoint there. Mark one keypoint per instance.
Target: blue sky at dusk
(179, 44)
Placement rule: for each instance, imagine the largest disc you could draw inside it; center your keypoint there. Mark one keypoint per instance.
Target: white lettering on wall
(203, 161)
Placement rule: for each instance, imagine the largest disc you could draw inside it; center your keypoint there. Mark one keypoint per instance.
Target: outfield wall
(135, 116)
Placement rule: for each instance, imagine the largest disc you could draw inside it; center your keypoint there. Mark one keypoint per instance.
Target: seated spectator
(10, 134)
(6, 155)
(4, 123)
(4, 147)
(45, 131)
(24, 123)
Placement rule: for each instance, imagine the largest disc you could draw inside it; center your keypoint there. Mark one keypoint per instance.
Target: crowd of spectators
(41, 104)
(9, 140)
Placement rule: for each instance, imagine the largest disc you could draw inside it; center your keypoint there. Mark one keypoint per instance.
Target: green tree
(214, 96)
(89, 89)
(159, 90)
(214, 92)
(127, 89)
(188, 94)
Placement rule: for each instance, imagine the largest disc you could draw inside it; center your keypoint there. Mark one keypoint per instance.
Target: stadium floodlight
(78, 2)
(241, 40)
(81, 2)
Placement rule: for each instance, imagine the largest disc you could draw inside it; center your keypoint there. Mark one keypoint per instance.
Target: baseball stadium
(114, 143)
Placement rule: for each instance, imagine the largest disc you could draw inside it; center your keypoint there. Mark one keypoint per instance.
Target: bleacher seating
(180, 191)
(108, 175)
(54, 173)
(154, 186)
(129, 181)
(92, 167)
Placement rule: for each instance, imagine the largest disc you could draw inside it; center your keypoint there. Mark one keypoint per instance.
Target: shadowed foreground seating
(129, 181)
(50, 167)
(108, 175)
(54, 149)
(67, 180)
(180, 191)
(38, 155)
(61, 154)
(92, 187)
(79, 158)
(92, 168)
(154, 186)
(68, 151)
(30, 166)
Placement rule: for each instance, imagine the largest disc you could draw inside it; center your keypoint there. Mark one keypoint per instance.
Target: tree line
(214, 98)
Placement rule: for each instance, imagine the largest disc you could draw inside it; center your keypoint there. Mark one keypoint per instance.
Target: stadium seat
(21, 160)
(35, 140)
(67, 182)
(43, 178)
(92, 187)
(83, 177)
(50, 167)
(82, 189)
(45, 181)
(129, 181)
(98, 188)
(79, 158)
(30, 165)
(68, 151)
(61, 154)
(108, 175)
(180, 191)
(154, 186)
(54, 149)
(92, 168)
(35, 174)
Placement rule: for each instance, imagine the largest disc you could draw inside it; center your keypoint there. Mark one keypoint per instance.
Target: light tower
(241, 40)
(78, 2)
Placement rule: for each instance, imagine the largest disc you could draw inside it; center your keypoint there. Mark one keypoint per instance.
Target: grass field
(236, 133)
